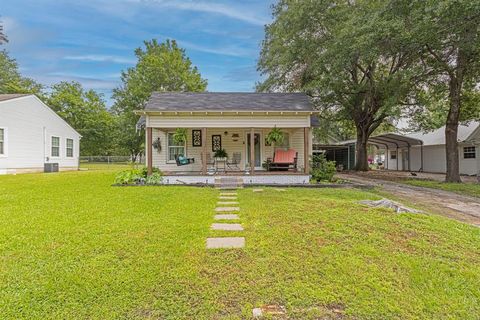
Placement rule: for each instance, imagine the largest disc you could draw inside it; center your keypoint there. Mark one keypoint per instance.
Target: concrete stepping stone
(227, 198)
(223, 209)
(257, 190)
(226, 202)
(280, 190)
(233, 242)
(227, 226)
(228, 193)
(226, 217)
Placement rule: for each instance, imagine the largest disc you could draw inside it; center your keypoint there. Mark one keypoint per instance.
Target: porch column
(306, 150)
(149, 151)
(252, 151)
(204, 152)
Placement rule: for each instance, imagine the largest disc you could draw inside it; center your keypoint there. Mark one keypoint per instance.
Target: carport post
(386, 156)
(396, 157)
(409, 158)
(421, 156)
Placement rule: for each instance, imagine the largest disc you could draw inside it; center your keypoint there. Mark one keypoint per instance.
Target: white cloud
(100, 58)
(237, 13)
(233, 51)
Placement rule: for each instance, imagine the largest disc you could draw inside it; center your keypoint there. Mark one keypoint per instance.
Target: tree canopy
(345, 55)
(11, 81)
(85, 110)
(160, 67)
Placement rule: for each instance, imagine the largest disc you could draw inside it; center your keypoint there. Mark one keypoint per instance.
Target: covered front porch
(248, 152)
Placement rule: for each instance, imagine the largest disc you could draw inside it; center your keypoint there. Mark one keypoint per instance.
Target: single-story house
(235, 122)
(416, 151)
(33, 138)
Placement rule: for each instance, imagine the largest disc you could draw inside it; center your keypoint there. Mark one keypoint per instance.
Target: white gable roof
(437, 137)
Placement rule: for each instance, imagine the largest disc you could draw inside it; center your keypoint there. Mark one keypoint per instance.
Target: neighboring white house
(33, 136)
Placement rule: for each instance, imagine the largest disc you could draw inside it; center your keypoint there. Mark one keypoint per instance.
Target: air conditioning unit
(50, 167)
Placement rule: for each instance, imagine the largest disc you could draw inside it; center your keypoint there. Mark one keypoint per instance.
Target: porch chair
(210, 163)
(235, 163)
(283, 160)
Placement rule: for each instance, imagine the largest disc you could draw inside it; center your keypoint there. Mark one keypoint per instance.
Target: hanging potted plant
(275, 136)
(180, 135)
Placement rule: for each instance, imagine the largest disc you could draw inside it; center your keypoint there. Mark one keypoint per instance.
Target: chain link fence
(111, 159)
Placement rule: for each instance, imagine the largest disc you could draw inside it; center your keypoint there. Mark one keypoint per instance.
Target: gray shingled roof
(228, 101)
(4, 97)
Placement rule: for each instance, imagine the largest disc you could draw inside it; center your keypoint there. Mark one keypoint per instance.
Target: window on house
(469, 152)
(174, 148)
(285, 143)
(69, 146)
(55, 147)
(393, 155)
(2, 141)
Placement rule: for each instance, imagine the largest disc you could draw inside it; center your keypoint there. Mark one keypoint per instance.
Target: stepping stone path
(257, 190)
(218, 243)
(227, 198)
(227, 226)
(222, 209)
(227, 203)
(226, 217)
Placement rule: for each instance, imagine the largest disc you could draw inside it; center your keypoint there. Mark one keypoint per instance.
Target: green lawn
(73, 247)
(470, 189)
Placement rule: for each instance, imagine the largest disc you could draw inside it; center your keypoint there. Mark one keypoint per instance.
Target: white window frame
(393, 152)
(66, 148)
(474, 152)
(51, 147)
(168, 148)
(5, 143)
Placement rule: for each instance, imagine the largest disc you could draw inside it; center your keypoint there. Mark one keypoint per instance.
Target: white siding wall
(159, 159)
(434, 160)
(30, 126)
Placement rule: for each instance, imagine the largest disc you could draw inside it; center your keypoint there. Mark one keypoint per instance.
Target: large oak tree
(350, 56)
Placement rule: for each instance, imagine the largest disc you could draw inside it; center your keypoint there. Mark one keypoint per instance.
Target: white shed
(33, 138)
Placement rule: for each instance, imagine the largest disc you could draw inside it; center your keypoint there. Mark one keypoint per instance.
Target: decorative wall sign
(216, 142)
(235, 137)
(196, 138)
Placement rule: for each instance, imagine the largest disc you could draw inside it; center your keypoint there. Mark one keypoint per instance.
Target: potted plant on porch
(221, 155)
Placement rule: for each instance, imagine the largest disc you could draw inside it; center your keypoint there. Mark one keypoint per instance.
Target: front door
(257, 149)
(404, 160)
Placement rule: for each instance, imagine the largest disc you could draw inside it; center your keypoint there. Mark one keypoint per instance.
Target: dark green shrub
(322, 169)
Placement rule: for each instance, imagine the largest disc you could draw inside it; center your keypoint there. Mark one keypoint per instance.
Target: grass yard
(470, 189)
(73, 247)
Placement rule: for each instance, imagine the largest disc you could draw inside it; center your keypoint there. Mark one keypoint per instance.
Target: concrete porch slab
(226, 217)
(233, 242)
(227, 226)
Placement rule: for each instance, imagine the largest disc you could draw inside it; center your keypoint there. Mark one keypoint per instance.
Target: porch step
(228, 183)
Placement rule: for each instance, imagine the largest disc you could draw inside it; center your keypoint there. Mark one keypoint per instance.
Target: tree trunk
(451, 133)
(362, 153)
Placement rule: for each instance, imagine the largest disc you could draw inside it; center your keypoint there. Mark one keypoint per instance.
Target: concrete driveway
(445, 203)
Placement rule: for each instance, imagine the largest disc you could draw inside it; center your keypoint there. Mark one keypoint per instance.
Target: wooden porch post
(306, 150)
(252, 151)
(204, 152)
(149, 151)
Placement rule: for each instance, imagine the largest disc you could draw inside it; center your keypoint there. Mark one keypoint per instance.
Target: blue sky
(91, 41)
